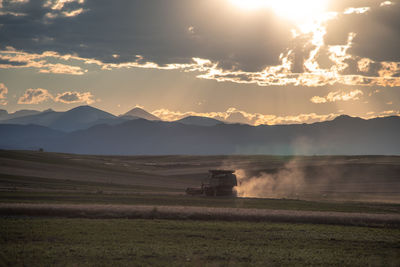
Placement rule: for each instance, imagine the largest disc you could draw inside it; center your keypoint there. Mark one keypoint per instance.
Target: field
(97, 210)
(49, 242)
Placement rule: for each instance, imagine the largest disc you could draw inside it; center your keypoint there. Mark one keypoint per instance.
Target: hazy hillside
(81, 117)
(44, 118)
(4, 115)
(30, 137)
(344, 135)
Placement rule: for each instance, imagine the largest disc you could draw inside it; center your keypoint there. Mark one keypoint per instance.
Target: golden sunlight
(295, 10)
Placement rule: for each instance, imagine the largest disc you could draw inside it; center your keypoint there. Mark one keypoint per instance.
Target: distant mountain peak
(199, 121)
(137, 108)
(90, 111)
(345, 117)
(84, 107)
(137, 112)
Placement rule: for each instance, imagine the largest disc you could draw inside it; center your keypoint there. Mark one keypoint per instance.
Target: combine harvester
(218, 183)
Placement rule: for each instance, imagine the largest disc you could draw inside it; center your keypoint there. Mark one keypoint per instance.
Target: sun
(294, 10)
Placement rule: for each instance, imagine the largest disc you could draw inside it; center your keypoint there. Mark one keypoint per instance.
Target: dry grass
(199, 213)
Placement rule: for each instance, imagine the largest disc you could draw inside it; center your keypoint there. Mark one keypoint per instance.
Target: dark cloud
(12, 63)
(377, 32)
(161, 31)
(69, 97)
(74, 97)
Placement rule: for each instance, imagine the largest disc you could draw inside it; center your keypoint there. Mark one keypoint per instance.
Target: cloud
(35, 96)
(377, 32)
(318, 99)
(233, 115)
(3, 94)
(151, 29)
(11, 58)
(75, 97)
(340, 48)
(358, 10)
(39, 95)
(386, 73)
(389, 113)
(386, 3)
(380, 114)
(389, 69)
(12, 2)
(73, 13)
(344, 96)
(338, 96)
(61, 8)
(59, 4)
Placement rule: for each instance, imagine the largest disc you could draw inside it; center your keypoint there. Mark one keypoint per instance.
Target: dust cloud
(327, 178)
(288, 182)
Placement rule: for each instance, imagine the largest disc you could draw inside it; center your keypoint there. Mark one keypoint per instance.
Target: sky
(248, 61)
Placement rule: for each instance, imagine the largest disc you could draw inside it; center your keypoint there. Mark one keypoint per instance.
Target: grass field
(84, 242)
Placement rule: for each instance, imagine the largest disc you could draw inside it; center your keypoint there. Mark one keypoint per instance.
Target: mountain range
(77, 118)
(88, 130)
